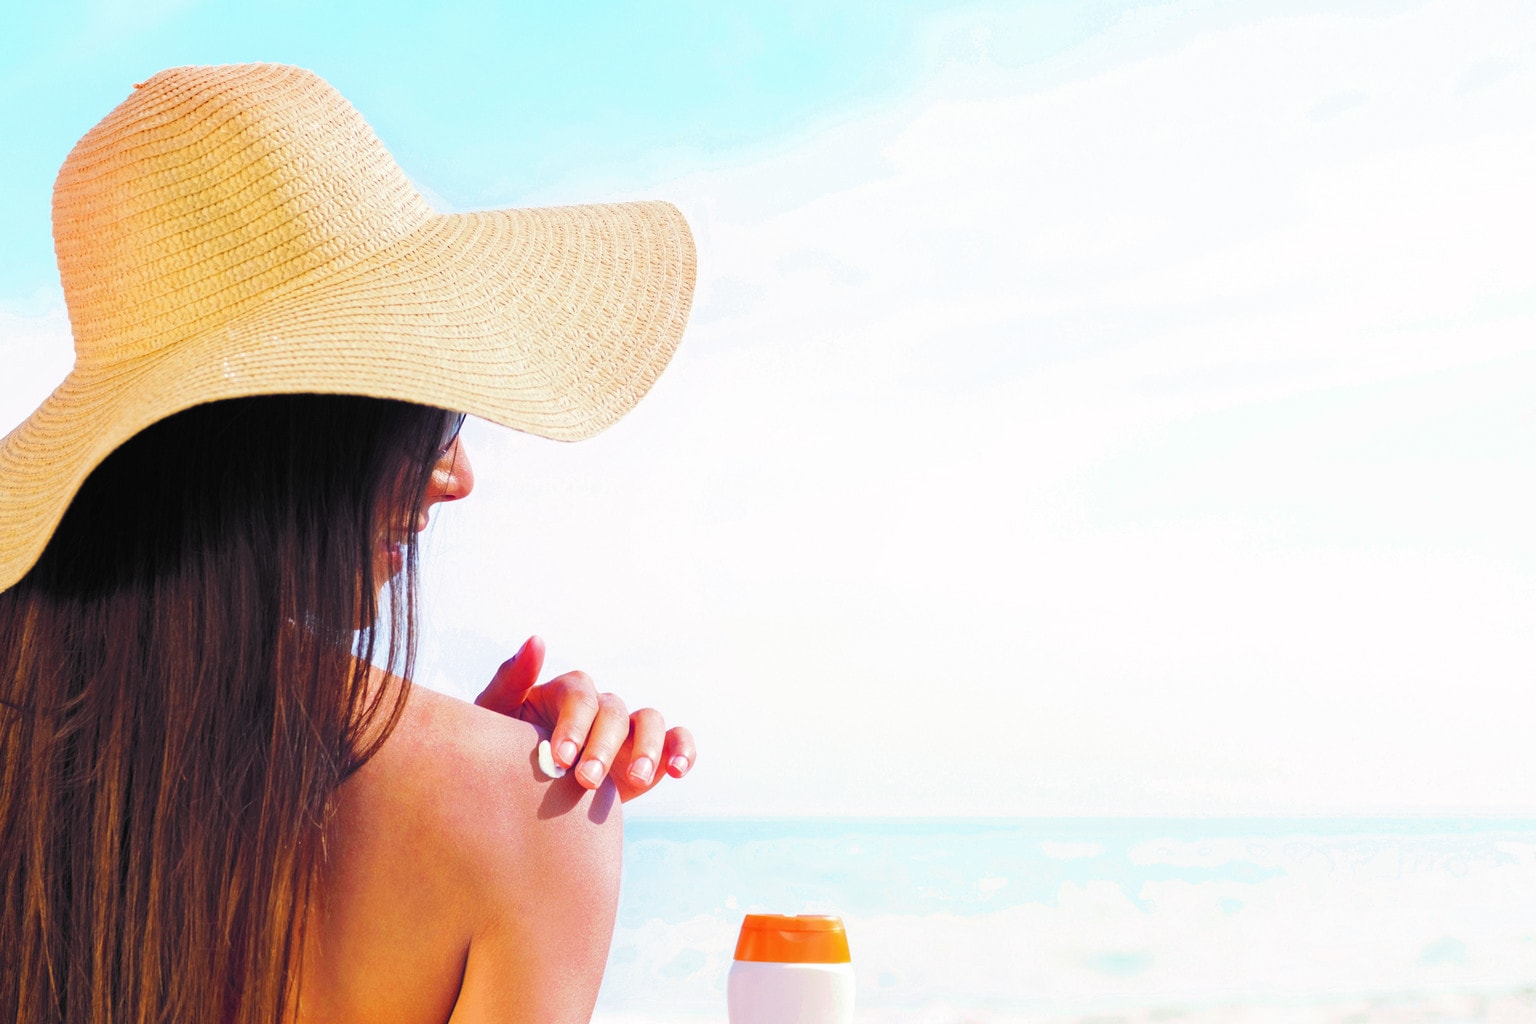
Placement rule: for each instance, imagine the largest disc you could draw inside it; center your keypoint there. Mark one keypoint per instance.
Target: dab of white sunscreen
(547, 761)
(791, 970)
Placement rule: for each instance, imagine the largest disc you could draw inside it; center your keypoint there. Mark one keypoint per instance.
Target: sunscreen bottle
(790, 970)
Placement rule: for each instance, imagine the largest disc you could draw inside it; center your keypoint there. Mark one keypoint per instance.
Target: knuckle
(586, 701)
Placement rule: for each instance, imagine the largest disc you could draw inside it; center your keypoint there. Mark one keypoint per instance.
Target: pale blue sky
(487, 102)
(1088, 408)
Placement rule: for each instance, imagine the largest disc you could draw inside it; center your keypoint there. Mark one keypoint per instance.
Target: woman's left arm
(590, 731)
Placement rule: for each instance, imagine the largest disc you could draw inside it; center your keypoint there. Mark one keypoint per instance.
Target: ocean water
(1126, 920)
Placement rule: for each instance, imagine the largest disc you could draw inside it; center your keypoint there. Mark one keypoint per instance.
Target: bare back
(460, 884)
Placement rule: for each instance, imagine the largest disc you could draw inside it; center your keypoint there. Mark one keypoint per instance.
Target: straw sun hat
(233, 231)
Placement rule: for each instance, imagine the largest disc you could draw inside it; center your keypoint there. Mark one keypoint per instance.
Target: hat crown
(208, 192)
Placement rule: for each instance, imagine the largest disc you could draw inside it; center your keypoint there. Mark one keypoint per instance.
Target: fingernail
(679, 764)
(567, 753)
(547, 762)
(591, 770)
(641, 770)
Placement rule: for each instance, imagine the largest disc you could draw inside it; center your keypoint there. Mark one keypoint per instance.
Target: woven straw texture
(240, 230)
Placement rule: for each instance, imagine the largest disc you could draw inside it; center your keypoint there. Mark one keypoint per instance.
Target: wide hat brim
(552, 321)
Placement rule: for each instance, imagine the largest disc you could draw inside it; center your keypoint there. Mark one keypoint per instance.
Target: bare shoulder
(458, 878)
(477, 774)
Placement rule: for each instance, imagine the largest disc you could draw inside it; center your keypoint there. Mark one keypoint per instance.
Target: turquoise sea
(1119, 920)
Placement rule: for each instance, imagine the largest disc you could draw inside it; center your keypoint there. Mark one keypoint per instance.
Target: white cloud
(1150, 440)
(36, 351)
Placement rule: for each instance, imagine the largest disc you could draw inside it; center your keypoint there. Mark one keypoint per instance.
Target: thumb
(517, 675)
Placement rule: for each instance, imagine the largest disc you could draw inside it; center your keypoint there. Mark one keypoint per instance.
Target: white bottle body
(774, 993)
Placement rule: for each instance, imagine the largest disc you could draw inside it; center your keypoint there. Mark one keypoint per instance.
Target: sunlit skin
(452, 478)
(591, 731)
(480, 888)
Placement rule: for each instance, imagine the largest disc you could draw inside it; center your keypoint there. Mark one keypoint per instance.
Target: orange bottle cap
(802, 939)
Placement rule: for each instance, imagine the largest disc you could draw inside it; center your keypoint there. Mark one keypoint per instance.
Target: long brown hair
(184, 684)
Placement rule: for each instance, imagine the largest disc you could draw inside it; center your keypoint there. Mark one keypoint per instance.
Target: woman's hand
(590, 731)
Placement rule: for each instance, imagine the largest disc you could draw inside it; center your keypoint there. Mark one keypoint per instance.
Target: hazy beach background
(1108, 921)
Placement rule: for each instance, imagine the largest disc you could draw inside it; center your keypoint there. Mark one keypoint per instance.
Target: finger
(680, 752)
(609, 731)
(678, 755)
(647, 732)
(509, 687)
(577, 705)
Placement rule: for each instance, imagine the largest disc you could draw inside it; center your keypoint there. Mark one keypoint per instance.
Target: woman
(213, 807)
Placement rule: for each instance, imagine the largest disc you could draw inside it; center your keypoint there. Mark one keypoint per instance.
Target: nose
(453, 477)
